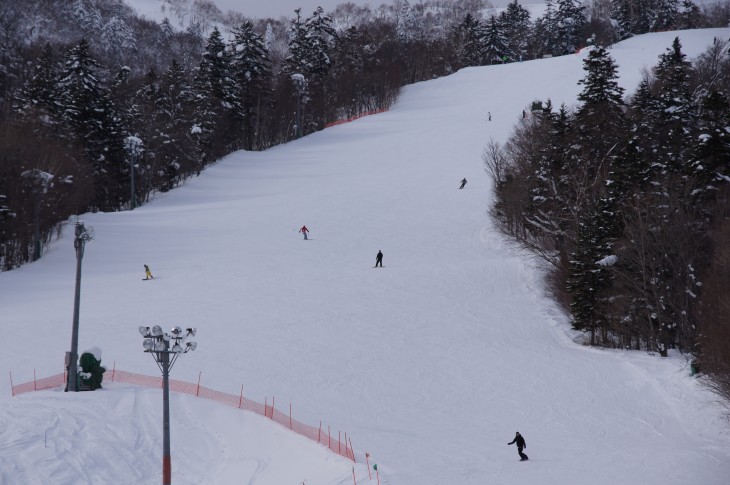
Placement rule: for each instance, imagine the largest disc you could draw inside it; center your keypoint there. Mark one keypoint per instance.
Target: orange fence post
(347, 453)
(290, 426)
(12, 390)
(319, 433)
(353, 475)
(240, 400)
(114, 369)
(367, 460)
(34, 383)
(352, 450)
(329, 438)
(197, 391)
(266, 400)
(339, 440)
(273, 406)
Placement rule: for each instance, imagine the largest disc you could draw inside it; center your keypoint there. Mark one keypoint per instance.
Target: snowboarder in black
(379, 259)
(148, 273)
(520, 445)
(463, 183)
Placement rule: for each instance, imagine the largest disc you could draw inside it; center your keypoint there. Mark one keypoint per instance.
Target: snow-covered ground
(430, 364)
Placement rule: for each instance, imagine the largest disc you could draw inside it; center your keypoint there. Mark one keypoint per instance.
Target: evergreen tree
(689, 16)
(321, 35)
(495, 49)
(297, 59)
(117, 38)
(214, 97)
(470, 48)
(251, 70)
(570, 22)
(175, 117)
(600, 122)
(516, 26)
(40, 91)
(88, 109)
(545, 36)
(590, 277)
(710, 166)
(408, 27)
(666, 14)
(675, 106)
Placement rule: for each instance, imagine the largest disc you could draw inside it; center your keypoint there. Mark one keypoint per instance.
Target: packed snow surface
(430, 364)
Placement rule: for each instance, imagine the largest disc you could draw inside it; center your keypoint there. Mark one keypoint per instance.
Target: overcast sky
(277, 8)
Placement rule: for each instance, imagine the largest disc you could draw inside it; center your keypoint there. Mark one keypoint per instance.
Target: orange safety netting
(337, 444)
(347, 120)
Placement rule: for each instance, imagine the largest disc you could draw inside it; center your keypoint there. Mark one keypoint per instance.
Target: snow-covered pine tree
(321, 35)
(251, 71)
(297, 59)
(40, 91)
(215, 97)
(590, 277)
(545, 34)
(665, 16)
(516, 26)
(87, 107)
(408, 25)
(570, 22)
(87, 16)
(711, 167)
(470, 35)
(600, 122)
(676, 114)
(117, 38)
(174, 115)
(495, 49)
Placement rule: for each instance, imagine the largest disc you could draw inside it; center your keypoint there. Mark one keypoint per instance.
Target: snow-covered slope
(430, 364)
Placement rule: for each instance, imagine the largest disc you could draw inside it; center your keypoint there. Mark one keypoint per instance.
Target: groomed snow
(430, 364)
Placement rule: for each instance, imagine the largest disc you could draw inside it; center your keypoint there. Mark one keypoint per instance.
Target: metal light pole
(157, 343)
(82, 235)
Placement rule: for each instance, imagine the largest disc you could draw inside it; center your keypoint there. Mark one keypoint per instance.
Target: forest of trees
(101, 109)
(627, 203)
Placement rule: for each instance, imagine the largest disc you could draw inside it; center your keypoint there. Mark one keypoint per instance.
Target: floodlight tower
(82, 236)
(157, 343)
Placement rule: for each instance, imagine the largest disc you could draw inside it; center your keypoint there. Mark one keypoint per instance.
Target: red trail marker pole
(367, 460)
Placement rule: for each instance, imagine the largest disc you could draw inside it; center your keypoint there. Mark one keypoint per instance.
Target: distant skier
(148, 273)
(490, 116)
(379, 259)
(520, 445)
(304, 231)
(463, 183)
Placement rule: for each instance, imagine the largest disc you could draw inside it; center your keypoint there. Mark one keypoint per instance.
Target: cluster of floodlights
(174, 341)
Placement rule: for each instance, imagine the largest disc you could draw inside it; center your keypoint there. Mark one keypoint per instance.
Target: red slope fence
(347, 120)
(337, 444)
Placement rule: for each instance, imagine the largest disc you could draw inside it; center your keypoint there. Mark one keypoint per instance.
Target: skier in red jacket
(304, 231)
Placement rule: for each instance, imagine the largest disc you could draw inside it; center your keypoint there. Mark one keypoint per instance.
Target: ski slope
(430, 364)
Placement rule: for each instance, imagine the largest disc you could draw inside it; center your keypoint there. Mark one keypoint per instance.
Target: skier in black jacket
(520, 445)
